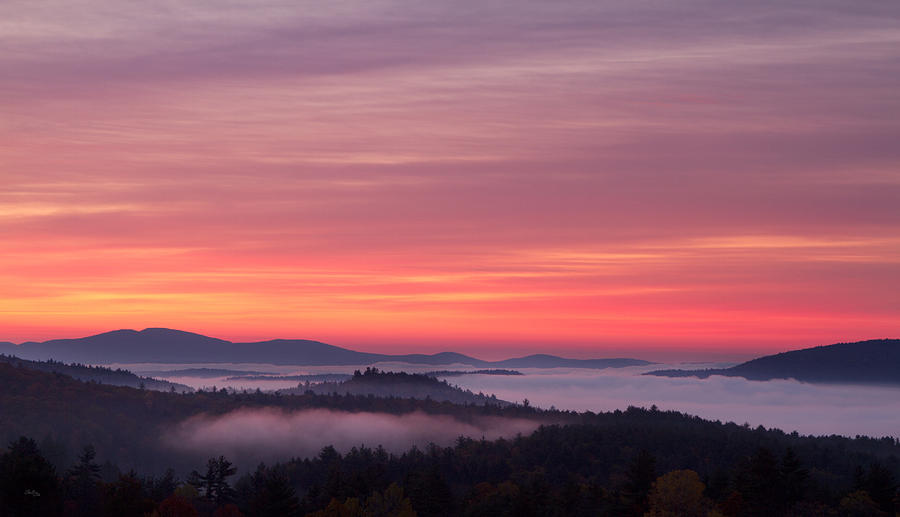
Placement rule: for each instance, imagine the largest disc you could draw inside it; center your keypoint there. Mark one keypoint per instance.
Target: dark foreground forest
(86, 449)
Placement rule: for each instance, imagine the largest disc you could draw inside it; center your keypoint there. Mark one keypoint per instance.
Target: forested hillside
(398, 384)
(617, 463)
(127, 423)
(875, 361)
(98, 374)
(457, 373)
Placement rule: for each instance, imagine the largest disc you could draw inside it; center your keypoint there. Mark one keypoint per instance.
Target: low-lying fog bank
(817, 409)
(174, 372)
(250, 436)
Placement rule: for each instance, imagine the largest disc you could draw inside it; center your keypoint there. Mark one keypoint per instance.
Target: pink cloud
(427, 174)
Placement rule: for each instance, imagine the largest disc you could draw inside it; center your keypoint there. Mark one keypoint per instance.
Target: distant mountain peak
(173, 333)
(165, 345)
(873, 361)
(164, 330)
(119, 332)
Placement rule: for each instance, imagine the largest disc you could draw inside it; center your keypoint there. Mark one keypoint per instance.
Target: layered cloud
(590, 175)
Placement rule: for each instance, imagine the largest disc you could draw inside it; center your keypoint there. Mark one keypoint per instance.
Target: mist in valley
(815, 409)
(250, 436)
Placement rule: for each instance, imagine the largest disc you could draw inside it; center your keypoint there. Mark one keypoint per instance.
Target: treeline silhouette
(558, 470)
(632, 462)
(456, 373)
(99, 374)
(378, 383)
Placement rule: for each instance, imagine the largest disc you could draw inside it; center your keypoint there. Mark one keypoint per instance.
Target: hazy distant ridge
(875, 361)
(97, 374)
(159, 345)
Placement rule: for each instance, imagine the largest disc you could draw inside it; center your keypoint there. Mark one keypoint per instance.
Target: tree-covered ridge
(204, 373)
(457, 373)
(340, 377)
(98, 374)
(587, 469)
(617, 463)
(875, 361)
(310, 377)
(398, 384)
(572, 470)
(66, 413)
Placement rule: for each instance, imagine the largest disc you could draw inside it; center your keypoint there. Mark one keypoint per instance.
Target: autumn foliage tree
(678, 494)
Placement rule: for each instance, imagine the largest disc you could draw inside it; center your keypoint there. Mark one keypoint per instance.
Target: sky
(588, 178)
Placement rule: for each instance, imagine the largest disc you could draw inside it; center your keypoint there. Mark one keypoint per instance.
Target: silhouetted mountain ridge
(876, 361)
(552, 361)
(160, 345)
(7, 348)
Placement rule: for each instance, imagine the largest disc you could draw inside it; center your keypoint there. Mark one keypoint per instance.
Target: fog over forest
(251, 436)
(816, 409)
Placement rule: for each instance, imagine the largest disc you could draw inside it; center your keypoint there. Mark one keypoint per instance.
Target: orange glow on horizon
(584, 303)
(591, 178)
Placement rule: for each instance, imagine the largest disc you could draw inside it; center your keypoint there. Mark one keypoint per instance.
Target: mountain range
(161, 345)
(876, 361)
